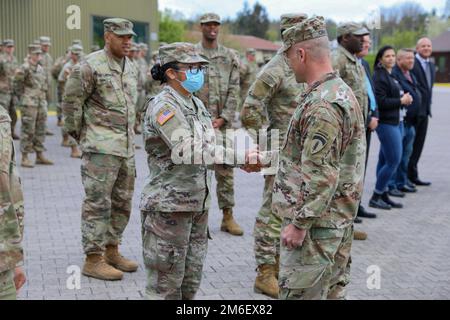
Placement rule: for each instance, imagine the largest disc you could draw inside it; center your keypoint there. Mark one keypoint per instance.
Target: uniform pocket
(159, 254)
(302, 277)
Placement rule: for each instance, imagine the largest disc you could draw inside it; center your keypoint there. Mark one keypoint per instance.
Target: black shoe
(358, 220)
(410, 184)
(378, 203)
(362, 213)
(407, 189)
(393, 204)
(396, 193)
(420, 183)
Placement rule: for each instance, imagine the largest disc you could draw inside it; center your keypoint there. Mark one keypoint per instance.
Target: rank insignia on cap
(165, 116)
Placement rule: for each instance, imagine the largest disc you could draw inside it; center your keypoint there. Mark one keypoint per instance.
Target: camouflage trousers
(7, 101)
(267, 228)
(225, 180)
(313, 270)
(59, 114)
(34, 124)
(174, 249)
(109, 185)
(140, 107)
(7, 286)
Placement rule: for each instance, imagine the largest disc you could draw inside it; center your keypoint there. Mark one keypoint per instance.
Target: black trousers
(421, 133)
(368, 139)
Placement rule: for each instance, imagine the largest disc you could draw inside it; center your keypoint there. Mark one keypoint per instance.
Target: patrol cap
(210, 17)
(34, 48)
(8, 43)
(77, 41)
(309, 29)
(351, 28)
(134, 47)
(251, 51)
(76, 49)
(291, 19)
(119, 26)
(38, 42)
(143, 46)
(181, 52)
(45, 41)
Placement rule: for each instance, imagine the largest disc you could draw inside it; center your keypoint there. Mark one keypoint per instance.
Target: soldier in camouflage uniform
(248, 71)
(152, 87)
(8, 66)
(220, 95)
(320, 177)
(75, 54)
(30, 84)
(142, 66)
(47, 63)
(55, 72)
(176, 198)
(350, 36)
(98, 105)
(12, 277)
(274, 95)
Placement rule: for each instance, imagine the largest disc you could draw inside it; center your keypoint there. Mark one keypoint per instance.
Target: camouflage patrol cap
(119, 26)
(8, 43)
(181, 52)
(251, 51)
(291, 19)
(45, 41)
(76, 49)
(134, 47)
(143, 46)
(352, 28)
(77, 41)
(155, 53)
(309, 29)
(210, 17)
(34, 48)
(38, 42)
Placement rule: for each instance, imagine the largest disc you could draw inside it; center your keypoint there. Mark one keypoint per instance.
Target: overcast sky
(356, 10)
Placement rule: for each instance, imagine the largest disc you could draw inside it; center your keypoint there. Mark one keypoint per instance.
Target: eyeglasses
(194, 70)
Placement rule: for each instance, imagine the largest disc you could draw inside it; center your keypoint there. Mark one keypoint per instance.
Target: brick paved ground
(410, 246)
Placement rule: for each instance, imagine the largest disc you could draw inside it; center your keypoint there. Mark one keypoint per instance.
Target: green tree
(171, 27)
(253, 22)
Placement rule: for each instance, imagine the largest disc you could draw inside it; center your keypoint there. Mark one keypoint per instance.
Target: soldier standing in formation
(99, 107)
(12, 277)
(75, 55)
(248, 71)
(55, 72)
(274, 93)
(47, 63)
(31, 86)
(220, 95)
(320, 177)
(8, 67)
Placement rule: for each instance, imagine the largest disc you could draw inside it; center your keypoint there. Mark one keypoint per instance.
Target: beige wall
(26, 20)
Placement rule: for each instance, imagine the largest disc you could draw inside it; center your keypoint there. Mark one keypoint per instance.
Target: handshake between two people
(254, 161)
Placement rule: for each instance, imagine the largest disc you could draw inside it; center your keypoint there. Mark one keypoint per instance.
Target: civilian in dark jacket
(391, 102)
(424, 71)
(405, 63)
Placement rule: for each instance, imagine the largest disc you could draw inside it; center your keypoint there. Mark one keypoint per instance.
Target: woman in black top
(391, 102)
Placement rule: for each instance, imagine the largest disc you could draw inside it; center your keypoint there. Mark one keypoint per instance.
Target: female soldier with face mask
(180, 142)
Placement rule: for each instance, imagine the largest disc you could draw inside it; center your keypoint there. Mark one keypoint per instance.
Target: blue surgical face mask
(194, 81)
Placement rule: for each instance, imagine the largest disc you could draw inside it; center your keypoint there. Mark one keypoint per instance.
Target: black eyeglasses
(193, 70)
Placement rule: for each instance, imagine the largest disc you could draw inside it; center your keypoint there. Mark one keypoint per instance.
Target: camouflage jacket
(47, 63)
(8, 67)
(30, 85)
(99, 104)
(320, 177)
(274, 94)
(11, 200)
(58, 65)
(352, 72)
(220, 94)
(180, 179)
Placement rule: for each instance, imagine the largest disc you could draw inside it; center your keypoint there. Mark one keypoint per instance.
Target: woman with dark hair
(391, 101)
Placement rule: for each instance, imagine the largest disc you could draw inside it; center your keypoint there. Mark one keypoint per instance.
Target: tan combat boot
(115, 259)
(65, 142)
(96, 267)
(229, 225)
(76, 153)
(41, 159)
(266, 281)
(359, 235)
(26, 163)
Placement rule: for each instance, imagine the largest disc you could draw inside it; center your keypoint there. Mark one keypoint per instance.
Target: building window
(140, 28)
(442, 64)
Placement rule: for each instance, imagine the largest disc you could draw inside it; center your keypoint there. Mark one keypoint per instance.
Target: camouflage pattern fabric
(175, 246)
(99, 105)
(55, 72)
(108, 183)
(31, 86)
(319, 183)
(8, 67)
(62, 79)
(47, 63)
(248, 71)
(352, 72)
(11, 210)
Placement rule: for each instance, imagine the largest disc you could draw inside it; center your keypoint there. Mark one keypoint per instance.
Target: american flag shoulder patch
(165, 116)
